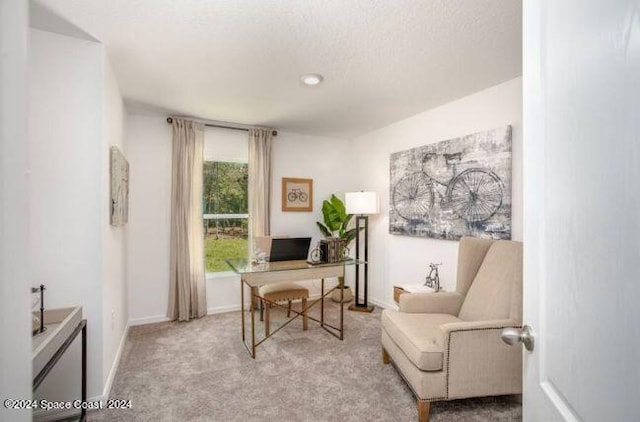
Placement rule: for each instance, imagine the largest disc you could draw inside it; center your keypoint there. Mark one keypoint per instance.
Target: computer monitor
(289, 249)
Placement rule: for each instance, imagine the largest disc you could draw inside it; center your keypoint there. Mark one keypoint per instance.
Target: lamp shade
(361, 202)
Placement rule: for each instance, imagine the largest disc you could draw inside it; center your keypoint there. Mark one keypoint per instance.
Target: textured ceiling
(240, 60)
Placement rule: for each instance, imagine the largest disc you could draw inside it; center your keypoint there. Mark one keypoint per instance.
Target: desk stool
(279, 292)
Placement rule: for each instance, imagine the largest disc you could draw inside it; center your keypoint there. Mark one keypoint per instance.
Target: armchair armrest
(451, 327)
(478, 362)
(434, 303)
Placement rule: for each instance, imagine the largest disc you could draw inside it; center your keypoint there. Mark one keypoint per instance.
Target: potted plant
(336, 222)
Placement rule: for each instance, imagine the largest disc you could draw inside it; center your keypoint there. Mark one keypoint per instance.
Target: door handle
(513, 336)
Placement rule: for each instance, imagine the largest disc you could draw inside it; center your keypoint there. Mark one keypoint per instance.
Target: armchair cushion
(471, 253)
(435, 303)
(419, 336)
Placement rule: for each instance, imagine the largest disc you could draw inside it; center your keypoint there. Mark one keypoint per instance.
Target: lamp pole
(362, 306)
(362, 204)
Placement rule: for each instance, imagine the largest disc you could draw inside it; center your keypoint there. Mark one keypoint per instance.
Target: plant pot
(347, 295)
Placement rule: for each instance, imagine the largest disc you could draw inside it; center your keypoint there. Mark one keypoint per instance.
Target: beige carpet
(200, 371)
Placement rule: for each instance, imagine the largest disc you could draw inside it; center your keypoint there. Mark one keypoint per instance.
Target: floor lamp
(361, 204)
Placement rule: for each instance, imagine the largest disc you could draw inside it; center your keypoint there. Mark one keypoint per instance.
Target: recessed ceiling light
(311, 79)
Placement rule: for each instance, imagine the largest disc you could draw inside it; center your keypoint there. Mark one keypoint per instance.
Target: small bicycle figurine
(433, 281)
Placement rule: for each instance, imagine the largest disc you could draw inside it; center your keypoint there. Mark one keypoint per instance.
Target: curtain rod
(274, 132)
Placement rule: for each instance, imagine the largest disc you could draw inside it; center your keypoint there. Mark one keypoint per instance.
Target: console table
(80, 328)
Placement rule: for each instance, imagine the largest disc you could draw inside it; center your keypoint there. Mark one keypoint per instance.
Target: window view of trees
(225, 208)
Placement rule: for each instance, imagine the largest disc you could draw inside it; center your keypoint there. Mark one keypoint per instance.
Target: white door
(15, 339)
(582, 209)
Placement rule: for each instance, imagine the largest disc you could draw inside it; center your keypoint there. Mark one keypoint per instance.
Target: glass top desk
(254, 275)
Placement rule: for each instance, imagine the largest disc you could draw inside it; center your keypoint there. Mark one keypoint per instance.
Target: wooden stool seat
(279, 292)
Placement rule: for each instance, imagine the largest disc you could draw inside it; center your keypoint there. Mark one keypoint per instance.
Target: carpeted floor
(200, 371)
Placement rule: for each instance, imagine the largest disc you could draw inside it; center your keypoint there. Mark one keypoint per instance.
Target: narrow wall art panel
(453, 188)
(119, 188)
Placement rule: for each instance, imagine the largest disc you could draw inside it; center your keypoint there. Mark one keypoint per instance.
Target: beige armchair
(447, 345)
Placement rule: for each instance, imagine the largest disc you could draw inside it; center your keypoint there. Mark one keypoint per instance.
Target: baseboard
(381, 304)
(116, 362)
(163, 318)
(222, 309)
(148, 320)
(210, 311)
(234, 308)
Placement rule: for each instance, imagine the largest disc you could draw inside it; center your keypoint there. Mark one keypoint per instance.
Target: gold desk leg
(305, 319)
(253, 330)
(341, 282)
(254, 298)
(322, 302)
(242, 308)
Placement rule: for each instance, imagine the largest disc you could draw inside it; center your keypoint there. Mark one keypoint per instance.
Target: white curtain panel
(187, 296)
(259, 181)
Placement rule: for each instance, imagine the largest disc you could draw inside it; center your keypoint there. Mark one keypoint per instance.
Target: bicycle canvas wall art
(297, 194)
(453, 188)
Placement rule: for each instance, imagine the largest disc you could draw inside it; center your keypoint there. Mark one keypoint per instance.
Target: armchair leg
(385, 357)
(423, 410)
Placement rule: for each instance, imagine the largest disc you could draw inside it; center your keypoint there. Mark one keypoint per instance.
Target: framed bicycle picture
(297, 194)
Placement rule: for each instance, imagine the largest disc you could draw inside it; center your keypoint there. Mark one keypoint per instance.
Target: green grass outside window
(217, 251)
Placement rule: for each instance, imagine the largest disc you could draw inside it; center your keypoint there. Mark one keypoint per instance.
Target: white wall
(15, 339)
(329, 162)
(336, 166)
(405, 260)
(65, 125)
(225, 145)
(148, 141)
(149, 153)
(76, 114)
(326, 160)
(115, 310)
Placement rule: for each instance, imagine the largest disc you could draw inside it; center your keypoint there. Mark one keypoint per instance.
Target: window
(225, 199)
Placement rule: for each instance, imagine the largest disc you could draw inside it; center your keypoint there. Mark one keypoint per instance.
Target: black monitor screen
(289, 249)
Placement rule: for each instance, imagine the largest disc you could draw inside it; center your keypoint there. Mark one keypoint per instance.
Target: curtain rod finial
(169, 120)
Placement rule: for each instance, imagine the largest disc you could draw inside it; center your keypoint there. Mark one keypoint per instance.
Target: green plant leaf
(349, 235)
(325, 231)
(336, 219)
(331, 217)
(338, 205)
